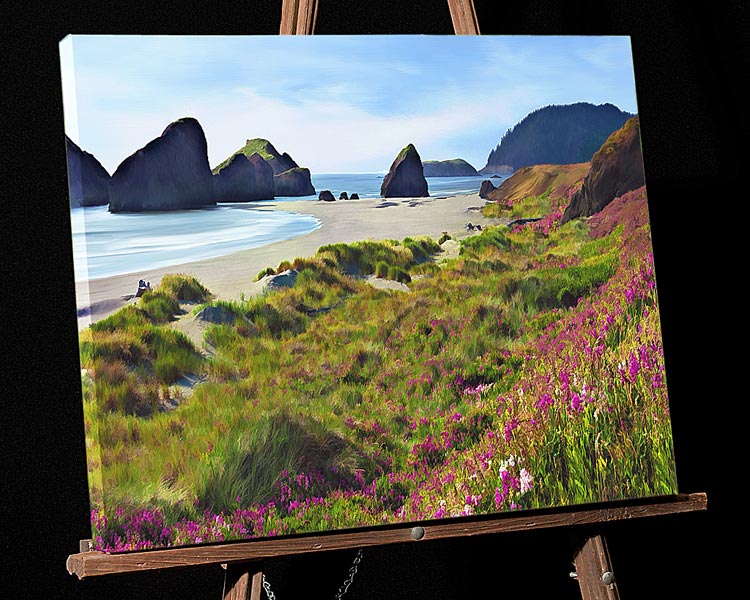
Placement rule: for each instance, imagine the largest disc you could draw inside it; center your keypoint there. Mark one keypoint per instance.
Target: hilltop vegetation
(556, 134)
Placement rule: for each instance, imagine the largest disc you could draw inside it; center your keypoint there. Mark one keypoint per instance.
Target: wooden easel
(242, 561)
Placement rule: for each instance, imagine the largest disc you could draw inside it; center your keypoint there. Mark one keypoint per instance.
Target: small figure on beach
(143, 287)
(472, 227)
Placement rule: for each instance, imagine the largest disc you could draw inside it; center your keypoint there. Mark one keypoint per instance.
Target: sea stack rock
(244, 178)
(327, 196)
(169, 173)
(88, 180)
(289, 178)
(343, 196)
(486, 187)
(354, 196)
(456, 167)
(293, 182)
(616, 168)
(406, 176)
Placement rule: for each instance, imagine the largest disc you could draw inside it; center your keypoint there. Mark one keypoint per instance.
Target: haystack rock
(343, 196)
(486, 187)
(406, 176)
(169, 173)
(293, 182)
(244, 178)
(616, 168)
(88, 180)
(327, 196)
(354, 196)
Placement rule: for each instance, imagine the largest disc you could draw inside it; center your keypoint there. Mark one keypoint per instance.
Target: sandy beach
(234, 274)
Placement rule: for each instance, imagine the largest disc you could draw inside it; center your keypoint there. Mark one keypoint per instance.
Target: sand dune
(231, 275)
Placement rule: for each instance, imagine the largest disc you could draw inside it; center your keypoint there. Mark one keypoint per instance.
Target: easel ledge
(93, 563)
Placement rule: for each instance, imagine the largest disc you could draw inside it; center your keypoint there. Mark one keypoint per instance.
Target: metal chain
(342, 590)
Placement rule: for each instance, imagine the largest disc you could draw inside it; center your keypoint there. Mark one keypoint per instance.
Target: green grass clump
(398, 274)
(381, 269)
(262, 273)
(491, 237)
(183, 288)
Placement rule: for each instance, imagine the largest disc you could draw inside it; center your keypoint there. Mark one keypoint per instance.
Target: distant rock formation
(244, 178)
(293, 182)
(354, 196)
(327, 196)
(343, 196)
(456, 167)
(296, 183)
(486, 187)
(169, 173)
(556, 134)
(406, 176)
(88, 180)
(616, 168)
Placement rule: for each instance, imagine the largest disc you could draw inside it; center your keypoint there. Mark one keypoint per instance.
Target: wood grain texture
(592, 560)
(243, 581)
(298, 17)
(92, 564)
(464, 17)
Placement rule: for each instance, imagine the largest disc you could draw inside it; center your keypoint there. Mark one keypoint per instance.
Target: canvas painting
(334, 282)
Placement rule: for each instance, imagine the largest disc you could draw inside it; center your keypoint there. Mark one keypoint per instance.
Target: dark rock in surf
(486, 187)
(171, 172)
(244, 178)
(343, 196)
(293, 182)
(327, 196)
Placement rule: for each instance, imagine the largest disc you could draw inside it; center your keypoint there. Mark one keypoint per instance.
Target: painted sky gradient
(336, 104)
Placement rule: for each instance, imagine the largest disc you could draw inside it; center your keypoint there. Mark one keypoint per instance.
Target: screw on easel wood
(594, 569)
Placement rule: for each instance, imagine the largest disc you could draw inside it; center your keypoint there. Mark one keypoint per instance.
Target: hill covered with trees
(556, 134)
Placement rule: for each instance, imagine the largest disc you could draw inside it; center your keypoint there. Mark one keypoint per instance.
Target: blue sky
(336, 104)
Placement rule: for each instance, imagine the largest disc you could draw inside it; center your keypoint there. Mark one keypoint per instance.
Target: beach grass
(526, 372)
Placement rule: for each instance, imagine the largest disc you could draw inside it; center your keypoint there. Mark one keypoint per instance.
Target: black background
(689, 60)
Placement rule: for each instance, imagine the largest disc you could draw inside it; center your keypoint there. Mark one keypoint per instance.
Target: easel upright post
(243, 581)
(594, 568)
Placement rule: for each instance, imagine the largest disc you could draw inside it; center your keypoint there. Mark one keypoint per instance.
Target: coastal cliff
(616, 168)
(88, 180)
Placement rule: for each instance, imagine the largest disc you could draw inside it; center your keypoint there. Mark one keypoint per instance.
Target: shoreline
(231, 275)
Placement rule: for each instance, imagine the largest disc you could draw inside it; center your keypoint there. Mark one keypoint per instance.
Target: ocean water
(106, 244)
(367, 185)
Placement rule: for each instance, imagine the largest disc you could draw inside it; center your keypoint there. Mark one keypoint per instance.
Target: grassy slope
(534, 181)
(528, 372)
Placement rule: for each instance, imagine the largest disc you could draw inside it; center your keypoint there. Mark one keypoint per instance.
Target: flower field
(527, 372)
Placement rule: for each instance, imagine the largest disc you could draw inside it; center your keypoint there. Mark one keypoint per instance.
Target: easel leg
(594, 569)
(243, 581)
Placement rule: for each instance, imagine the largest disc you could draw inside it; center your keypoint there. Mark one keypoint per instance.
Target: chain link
(342, 590)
